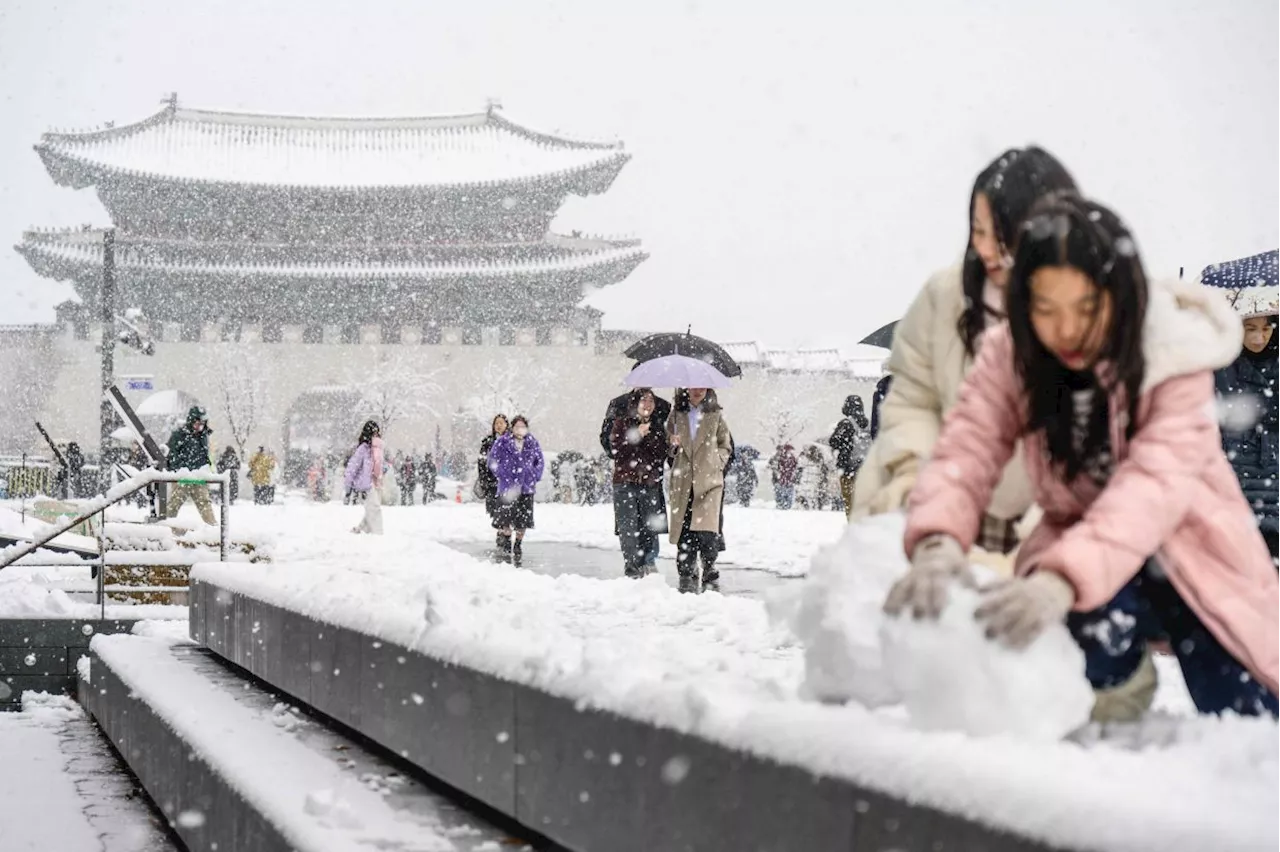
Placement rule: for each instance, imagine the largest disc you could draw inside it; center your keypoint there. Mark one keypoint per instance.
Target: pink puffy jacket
(1172, 494)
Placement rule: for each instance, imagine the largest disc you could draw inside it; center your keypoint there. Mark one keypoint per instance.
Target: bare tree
(511, 385)
(242, 391)
(791, 405)
(395, 389)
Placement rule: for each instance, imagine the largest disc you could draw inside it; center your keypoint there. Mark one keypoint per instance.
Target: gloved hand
(938, 561)
(1016, 611)
(893, 495)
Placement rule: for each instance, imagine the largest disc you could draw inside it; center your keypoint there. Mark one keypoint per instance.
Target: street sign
(139, 384)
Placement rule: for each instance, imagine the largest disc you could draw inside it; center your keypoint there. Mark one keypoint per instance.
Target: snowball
(947, 674)
(952, 677)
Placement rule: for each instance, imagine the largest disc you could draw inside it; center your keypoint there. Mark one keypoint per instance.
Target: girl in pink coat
(1146, 535)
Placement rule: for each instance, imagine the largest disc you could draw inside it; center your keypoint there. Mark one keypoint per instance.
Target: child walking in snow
(1146, 535)
(364, 477)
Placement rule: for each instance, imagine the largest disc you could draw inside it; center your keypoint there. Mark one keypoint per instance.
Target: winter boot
(1128, 701)
(517, 553)
(710, 578)
(503, 552)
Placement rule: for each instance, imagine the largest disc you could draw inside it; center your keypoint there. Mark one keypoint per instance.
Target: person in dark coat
(427, 474)
(487, 483)
(849, 441)
(1247, 390)
(229, 462)
(408, 479)
(784, 468)
(639, 450)
(877, 399)
(75, 470)
(747, 478)
(618, 407)
(189, 450)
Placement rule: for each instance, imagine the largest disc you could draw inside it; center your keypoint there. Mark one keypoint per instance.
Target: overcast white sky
(799, 169)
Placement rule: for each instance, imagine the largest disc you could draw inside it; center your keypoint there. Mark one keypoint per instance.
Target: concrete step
(236, 767)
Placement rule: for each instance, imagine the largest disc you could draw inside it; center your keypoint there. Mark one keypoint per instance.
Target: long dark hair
(1012, 183)
(369, 431)
(1066, 230)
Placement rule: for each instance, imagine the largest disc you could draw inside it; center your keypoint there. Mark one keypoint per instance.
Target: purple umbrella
(676, 371)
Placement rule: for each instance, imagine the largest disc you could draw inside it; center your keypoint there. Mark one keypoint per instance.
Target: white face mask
(520, 431)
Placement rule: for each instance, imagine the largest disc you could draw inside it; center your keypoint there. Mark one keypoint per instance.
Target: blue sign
(138, 385)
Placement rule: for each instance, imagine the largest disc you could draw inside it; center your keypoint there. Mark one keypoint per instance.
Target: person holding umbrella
(699, 442)
(639, 450)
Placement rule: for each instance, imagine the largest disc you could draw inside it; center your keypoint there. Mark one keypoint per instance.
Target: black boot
(517, 555)
(503, 553)
(710, 578)
(688, 582)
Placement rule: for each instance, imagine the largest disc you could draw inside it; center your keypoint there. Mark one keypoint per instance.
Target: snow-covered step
(472, 705)
(235, 768)
(64, 790)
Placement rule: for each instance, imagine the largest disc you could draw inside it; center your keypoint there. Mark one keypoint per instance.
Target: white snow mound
(946, 674)
(952, 677)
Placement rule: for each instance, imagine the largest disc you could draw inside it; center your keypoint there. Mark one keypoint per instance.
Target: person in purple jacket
(516, 460)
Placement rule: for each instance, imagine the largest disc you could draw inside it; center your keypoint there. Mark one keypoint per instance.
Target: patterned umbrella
(1249, 284)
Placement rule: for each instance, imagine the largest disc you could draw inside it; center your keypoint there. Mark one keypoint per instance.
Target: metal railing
(116, 494)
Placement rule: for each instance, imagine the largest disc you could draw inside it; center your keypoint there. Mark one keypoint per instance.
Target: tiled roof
(239, 148)
(78, 254)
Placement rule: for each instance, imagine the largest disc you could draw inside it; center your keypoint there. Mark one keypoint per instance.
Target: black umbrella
(882, 336)
(658, 345)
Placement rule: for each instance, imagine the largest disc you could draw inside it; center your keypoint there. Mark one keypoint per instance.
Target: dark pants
(1113, 638)
(1273, 542)
(637, 513)
(693, 544)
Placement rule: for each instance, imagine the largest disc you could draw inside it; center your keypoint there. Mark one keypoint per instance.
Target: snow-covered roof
(185, 145)
(744, 352)
(77, 254)
(860, 360)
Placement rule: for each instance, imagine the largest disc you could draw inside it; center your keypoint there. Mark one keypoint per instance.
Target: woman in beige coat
(935, 343)
(700, 444)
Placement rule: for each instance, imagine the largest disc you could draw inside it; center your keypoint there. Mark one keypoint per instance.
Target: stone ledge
(587, 779)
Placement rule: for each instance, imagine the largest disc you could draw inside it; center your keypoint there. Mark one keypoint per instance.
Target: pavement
(556, 558)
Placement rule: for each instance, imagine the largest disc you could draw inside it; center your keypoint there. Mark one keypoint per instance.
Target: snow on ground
(717, 667)
(57, 790)
(758, 538)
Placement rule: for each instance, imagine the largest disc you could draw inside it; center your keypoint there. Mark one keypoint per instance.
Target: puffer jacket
(1248, 413)
(1172, 493)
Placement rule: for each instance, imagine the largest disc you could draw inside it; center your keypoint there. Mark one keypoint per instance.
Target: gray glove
(937, 561)
(1016, 611)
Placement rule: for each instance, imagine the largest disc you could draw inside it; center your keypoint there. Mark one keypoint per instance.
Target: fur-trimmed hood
(1187, 329)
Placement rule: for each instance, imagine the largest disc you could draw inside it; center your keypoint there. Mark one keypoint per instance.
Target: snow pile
(951, 677)
(22, 598)
(836, 613)
(946, 673)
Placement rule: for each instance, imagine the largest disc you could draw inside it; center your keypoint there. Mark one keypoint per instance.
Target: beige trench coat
(698, 465)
